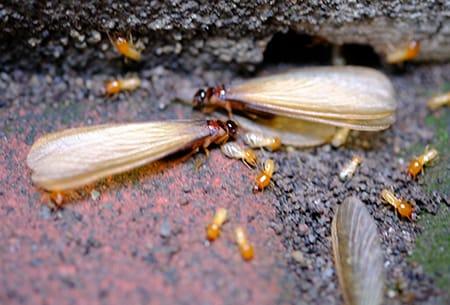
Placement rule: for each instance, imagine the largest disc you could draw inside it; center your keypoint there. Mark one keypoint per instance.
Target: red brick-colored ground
(143, 239)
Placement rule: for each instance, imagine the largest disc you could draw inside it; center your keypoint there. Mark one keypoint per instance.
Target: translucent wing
(354, 97)
(74, 157)
(292, 132)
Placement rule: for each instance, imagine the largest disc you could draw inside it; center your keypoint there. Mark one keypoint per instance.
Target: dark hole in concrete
(301, 49)
(294, 48)
(361, 55)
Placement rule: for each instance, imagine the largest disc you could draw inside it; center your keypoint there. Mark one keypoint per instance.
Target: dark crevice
(301, 49)
(361, 55)
(293, 48)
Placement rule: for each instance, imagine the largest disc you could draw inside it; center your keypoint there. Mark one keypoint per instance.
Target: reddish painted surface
(111, 250)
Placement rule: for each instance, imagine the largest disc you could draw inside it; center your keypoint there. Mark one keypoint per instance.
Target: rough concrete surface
(139, 238)
(192, 34)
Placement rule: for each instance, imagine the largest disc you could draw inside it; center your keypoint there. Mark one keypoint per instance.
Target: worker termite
(439, 101)
(127, 84)
(72, 158)
(263, 178)
(126, 47)
(352, 97)
(235, 151)
(213, 229)
(416, 165)
(245, 247)
(340, 137)
(350, 168)
(258, 140)
(403, 207)
(404, 53)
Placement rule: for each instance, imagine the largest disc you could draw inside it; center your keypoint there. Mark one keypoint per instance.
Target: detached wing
(354, 97)
(74, 157)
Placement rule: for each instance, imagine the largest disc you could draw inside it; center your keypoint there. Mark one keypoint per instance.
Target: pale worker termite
(125, 84)
(245, 247)
(235, 151)
(403, 52)
(262, 180)
(72, 158)
(126, 47)
(213, 229)
(416, 165)
(352, 97)
(403, 207)
(349, 169)
(258, 140)
(439, 101)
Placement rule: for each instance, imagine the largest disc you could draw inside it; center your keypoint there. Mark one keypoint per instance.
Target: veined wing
(74, 157)
(356, 97)
(292, 132)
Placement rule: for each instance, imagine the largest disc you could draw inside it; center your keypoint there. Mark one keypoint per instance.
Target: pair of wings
(352, 97)
(75, 157)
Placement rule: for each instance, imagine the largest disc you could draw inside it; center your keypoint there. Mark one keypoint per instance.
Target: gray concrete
(187, 34)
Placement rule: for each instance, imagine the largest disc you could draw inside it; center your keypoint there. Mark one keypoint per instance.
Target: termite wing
(72, 158)
(352, 97)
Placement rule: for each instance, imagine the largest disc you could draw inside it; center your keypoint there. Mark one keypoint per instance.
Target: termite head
(222, 131)
(208, 96)
(231, 128)
(112, 87)
(201, 97)
(414, 167)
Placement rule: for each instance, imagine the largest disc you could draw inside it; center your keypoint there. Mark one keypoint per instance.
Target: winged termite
(72, 158)
(352, 97)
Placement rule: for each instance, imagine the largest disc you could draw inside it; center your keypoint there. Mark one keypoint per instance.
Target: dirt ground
(138, 238)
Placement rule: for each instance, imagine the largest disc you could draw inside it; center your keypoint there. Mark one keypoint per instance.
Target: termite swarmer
(439, 101)
(75, 157)
(126, 48)
(403, 207)
(235, 151)
(126, 84)
(245, 248)
(263, 178)
(417, 164)
(351, 97)
(404, 53)
(213, 229)
(349, 170)
(258, 140)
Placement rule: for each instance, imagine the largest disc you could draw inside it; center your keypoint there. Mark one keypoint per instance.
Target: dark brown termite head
(198, 102)
(222, 131)
(232, 128)
(208, 97)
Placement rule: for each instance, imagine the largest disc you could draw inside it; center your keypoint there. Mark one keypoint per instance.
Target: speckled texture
(192, 34)
(139, 237)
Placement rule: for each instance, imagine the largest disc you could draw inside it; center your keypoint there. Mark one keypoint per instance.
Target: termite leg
(57, 198)
(229, 109)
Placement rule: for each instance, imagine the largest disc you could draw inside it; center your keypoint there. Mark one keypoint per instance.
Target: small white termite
(350, 168)
(258, 140)
(235, 151)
